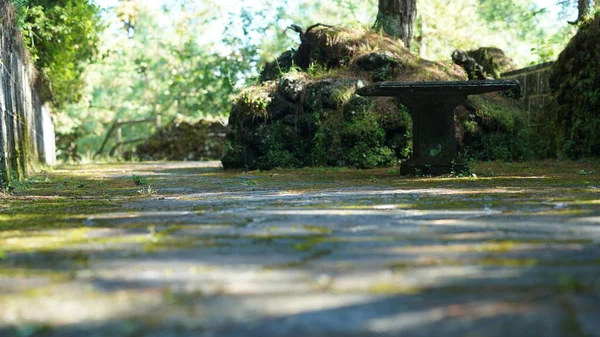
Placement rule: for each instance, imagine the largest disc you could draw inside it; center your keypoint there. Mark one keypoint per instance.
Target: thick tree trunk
(396, 18)
(584, 7)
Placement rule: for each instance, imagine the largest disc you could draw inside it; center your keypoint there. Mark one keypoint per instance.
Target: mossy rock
(376, 60)
(492, 127)
(281, 65)
(392, 115)
(184, 141)
(239, 157)
(381, 65)
(357, 107)
(268, 136)
(574, 121)
(312, 115)
(330, 93)
(335, 47)
(493, 60)
(279, 107)
(251, 105)
(291, 85)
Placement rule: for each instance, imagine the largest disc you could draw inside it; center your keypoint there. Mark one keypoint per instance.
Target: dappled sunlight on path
(186, 249)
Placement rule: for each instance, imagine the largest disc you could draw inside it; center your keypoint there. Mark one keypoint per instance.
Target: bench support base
(431, 105)
(434, 134)
(416, 169)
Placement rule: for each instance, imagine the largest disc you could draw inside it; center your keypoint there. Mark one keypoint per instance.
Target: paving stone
(211, 254)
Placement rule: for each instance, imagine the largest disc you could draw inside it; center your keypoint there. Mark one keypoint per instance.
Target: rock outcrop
(307, 113)
(575, 83)
(184, 141)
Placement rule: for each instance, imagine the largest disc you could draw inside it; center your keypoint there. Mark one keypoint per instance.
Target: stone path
(195, 251)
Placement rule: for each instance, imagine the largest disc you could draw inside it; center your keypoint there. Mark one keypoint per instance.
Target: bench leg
(434, 136)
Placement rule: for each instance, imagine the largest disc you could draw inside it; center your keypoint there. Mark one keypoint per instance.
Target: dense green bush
(497, 129)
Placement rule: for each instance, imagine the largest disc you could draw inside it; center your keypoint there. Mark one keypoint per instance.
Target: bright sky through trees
(552, 22)
(552, 5)
(192, 58)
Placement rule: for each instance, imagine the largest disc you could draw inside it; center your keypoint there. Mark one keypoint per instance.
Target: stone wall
(535, 88)
(26, 130)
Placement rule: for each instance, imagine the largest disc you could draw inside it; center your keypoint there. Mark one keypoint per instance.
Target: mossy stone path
(195, 251)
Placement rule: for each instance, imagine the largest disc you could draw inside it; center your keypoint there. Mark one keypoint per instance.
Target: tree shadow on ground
(254, 260)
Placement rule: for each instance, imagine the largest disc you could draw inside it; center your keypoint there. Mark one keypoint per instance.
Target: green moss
(571, 125)
(254, 101)
(24, 273)
(309, 243)
(498, 130)
(363, 156)
(342, 92)
(317, 71)
(498, 246)
(364, 130)
(328, 149)
(385, 288)
(506, 262)
(52, 213)
(297, 264)
(317, 229)
(364, 138)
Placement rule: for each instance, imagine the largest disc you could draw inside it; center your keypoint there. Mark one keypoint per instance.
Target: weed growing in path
(139, 180)
(147, 191)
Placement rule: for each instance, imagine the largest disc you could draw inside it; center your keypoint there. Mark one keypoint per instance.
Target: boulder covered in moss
(483, 63)
(185, 141)
(493, 127)
(310, 115)
(474, 70)
(493, 60)
(272, 70)
(574, 122)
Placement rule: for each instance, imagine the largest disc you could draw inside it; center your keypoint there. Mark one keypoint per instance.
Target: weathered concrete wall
(535, 89)
(26, 130)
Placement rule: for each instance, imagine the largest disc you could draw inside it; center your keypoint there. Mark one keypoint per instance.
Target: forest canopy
(127, 59)
(61, 35)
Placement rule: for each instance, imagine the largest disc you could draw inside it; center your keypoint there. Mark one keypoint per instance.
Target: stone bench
(431, 106)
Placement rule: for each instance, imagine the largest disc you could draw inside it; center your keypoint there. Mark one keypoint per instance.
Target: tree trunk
(583, 7)
(396, 18)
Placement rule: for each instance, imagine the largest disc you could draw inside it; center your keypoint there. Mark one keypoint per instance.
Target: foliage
(144, 73)
(167, 61)
(254, 99)
(190, 58)
(527, 22)
(327, 124)
(138, 180)
(61, 35)
(496, 130)
(183, 141)
(364, 139)
(148, 191)
(527, 33)
(573, 123)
